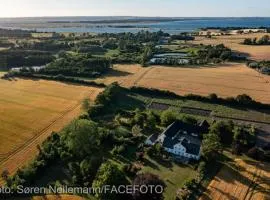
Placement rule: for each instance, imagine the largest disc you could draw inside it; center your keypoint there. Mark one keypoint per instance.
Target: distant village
(219, 32)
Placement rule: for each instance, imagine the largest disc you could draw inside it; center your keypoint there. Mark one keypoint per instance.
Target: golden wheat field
(30, 110)
(226, 80)
(261, 52)
(247, 180)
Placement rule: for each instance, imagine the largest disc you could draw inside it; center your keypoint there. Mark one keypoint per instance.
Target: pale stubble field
(226, 80)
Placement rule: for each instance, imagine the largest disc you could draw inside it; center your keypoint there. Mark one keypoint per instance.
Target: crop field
(244, 180)
(259, 52)
(30, 110)
(226, 80)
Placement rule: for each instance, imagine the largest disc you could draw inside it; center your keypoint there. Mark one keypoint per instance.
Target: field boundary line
(137, 80)
(39, 133)
(36, 136)
(36, 133)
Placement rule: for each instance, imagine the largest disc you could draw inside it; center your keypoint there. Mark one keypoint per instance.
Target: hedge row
(240, 101)
(55, 78)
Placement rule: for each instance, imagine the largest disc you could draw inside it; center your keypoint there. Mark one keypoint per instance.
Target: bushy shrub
(168, 117)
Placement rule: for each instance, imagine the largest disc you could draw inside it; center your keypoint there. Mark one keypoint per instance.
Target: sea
(128, 24)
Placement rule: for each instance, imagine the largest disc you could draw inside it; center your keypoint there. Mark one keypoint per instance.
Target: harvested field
(30, 110)
(246, 180)
(261, 52)
(226, 80)
(123, 74)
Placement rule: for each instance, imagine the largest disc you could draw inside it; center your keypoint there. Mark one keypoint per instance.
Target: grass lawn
(112, 53)
(174, 175)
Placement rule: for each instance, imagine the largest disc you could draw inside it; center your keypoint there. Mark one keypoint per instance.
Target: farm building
(35, 68)
(212, 32)
(254, 30)
(219, 32)
(181, 139)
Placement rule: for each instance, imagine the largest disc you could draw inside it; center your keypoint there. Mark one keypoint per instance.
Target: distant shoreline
(173, 25)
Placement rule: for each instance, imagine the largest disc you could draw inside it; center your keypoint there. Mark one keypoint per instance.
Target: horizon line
(62, 16)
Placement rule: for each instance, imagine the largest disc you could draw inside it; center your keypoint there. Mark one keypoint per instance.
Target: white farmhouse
(181, 139)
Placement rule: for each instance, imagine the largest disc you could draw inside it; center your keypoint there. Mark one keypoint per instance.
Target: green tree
(147, 54)
(213, 97)
(168, 117)
(108, 174)
(189, 120)
(224, 130)
(82, 137)
(211, 146)
(151, 121)
(122, 45)
(136, 130)
(138, 118)
(86, 104)
(88, 169)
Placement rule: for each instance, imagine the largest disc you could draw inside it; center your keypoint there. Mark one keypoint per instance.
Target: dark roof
(204, 125)
(174, 134)
(191, 148)
(179, 125)
(169, 142)
(153, 137)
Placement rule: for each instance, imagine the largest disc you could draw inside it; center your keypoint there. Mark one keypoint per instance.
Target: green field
(217, 110)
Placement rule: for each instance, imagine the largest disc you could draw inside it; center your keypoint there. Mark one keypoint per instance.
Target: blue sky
(176, 8)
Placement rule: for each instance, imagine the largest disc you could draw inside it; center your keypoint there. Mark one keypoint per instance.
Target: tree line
(84, 65)
(239, 101)
(17, 33)
(261, 66)
(19, 58)
(264, 40)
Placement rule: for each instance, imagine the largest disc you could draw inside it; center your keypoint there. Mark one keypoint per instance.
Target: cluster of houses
(219, 32)
(181, 139)
(34, 68)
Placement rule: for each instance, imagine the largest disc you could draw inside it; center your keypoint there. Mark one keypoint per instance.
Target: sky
(162, 8)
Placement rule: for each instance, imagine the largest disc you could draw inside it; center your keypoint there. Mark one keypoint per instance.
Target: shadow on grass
(115, 72)
(149, 163)
(162, 162)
